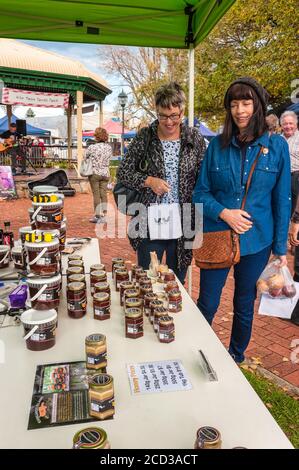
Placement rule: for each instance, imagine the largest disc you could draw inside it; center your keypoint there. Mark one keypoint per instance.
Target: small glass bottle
(96, 352)
(166, 332)
(101, 306)
(101, 396)
(134, 322)
(7, 235)
(207, 438)
(91, 438)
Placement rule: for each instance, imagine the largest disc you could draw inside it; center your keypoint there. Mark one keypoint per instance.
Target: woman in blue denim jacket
(263, 225)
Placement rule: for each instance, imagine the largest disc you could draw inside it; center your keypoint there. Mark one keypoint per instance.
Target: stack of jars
(100, 290)
(76, 287)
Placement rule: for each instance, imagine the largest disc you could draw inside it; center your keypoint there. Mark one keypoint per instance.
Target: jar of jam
(133, 271)
(96, 351)
(77, 278)
(148, 298)
(140, 273)
(76, 299)
(145, 281)
(145, 289)
(158, 313)
(75, 263)
(91, 438)
(123, 286)
(134, 322)
(166, 329)
(97, 276)
(102, 287)
(101, 306)
(153, 305)
(132, 302)
(101, 396)
(73, 270)
(97, 267)
(121, 275)
(171, 285)
(130, 293)
(117, 261)
(207, 438)
(74, 257)
(169, 276)
(174, 301)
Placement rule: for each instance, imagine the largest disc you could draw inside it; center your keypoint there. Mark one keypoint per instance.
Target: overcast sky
(89, 56)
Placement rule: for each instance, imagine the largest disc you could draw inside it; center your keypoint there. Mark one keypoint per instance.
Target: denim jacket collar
(263, 141)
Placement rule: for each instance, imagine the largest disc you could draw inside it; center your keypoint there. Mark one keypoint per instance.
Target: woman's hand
(293, 233)
(283, 260)
(157, 185)
(236, 219)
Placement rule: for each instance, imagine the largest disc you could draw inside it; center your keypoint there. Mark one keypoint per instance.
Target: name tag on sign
(164, 221)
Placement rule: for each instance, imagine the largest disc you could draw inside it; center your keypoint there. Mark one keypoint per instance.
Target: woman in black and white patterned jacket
(174, 155)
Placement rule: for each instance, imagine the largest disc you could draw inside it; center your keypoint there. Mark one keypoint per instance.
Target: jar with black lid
(91, 438)
(207, 438)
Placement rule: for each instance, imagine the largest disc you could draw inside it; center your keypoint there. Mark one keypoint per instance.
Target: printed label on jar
(100, 406)
(79, 305)
(96, 359)
(49, 217)
(44, 261)
(42, 336)
(101, 311)
(175, 306)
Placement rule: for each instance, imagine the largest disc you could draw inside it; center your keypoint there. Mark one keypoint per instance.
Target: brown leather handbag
(222, 249)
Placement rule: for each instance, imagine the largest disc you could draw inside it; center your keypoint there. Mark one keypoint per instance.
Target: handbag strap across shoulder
(143, 164)
(250, 177)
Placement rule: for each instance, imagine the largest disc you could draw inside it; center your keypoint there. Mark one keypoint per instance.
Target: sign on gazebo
(34, 98)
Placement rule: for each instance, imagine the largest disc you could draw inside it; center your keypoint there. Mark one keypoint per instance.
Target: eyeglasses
(172, 117)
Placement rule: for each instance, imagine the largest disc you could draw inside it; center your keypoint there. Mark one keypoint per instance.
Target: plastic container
(43, 258)
(44, 292)
(23, 231)
(4, 256)
(40, 329)
(18, 255)
(48, 215)
(62, 236)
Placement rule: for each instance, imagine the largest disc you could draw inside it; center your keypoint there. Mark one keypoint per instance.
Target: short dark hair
(257, 125)
(171, 94)
(13, 124)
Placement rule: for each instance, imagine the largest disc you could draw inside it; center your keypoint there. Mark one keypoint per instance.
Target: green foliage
(284, 408)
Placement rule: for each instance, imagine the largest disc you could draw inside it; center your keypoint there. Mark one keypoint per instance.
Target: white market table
(148, 421)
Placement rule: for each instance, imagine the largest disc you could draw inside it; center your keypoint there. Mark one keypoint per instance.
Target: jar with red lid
(134, 322)
(145, 289)
(174, 301)
(171, 285)
(124, 286)
(121, 275)
(73, 270)
(148, 298)
(101, 306)
(97, 276)
(169, 276)
(158, 313)
(77, 278)
(76, 299)
(166, 331)
(102, 287)
(97, 267)
(153, 305)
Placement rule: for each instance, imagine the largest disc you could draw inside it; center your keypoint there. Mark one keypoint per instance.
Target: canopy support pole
(191, 124)
(101, 113)
(79, 96)
(9, 113)
(69, 134)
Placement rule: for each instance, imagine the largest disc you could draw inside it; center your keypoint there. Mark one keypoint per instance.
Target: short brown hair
(171, 94)
(100, 134)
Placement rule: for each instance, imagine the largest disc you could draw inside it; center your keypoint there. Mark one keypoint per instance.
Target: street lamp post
(122, 99)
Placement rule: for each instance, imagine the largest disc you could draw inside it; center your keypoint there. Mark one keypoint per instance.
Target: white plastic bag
(276, 281)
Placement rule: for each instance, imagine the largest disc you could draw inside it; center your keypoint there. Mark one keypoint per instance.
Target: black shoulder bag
(125, 196)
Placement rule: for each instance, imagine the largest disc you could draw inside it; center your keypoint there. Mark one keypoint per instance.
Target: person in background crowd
(12, 136)
(289, 127)
(263, 225)
(174, 156)
(100, 154)
(273, 124)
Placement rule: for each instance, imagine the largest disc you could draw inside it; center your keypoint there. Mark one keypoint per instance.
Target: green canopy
(154, 23)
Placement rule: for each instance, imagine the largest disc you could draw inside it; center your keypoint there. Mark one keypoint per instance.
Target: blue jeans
(246, 274)
(161, 246)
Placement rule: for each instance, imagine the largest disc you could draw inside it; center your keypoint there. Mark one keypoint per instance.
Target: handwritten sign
(34, 98)
(153, 377)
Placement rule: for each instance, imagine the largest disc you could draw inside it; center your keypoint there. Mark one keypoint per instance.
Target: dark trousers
(161, 247)
(294, 188)
(246, 274)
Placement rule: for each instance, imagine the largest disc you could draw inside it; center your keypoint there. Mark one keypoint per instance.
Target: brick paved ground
(271, 338)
